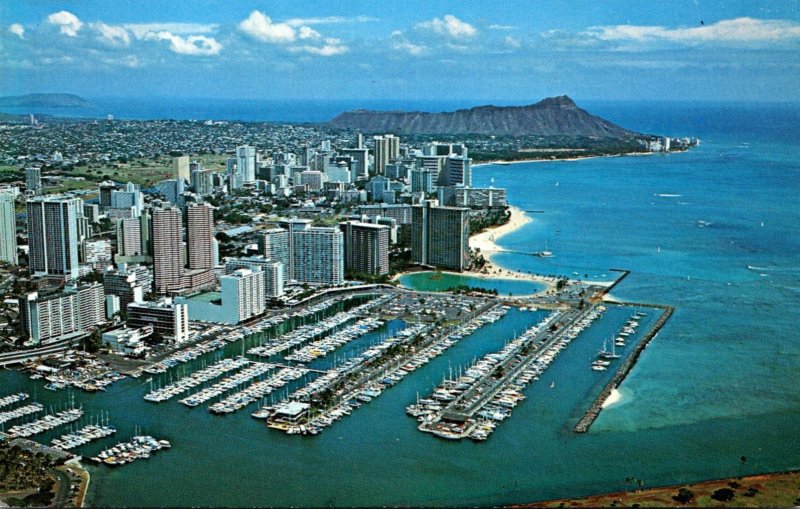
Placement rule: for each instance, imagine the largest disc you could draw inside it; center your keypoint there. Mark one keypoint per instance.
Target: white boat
(545, 253)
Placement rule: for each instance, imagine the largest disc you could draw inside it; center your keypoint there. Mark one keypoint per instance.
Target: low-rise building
(168, 318)
(128, 341)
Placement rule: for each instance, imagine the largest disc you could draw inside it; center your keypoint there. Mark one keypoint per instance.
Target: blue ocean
(712, 231)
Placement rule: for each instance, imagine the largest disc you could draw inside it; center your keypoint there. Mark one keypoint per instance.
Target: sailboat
(545, 253)
(604, 353)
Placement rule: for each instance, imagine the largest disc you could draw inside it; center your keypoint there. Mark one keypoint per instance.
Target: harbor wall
(594, 410)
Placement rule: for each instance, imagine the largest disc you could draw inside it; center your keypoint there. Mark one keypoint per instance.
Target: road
(21, 356)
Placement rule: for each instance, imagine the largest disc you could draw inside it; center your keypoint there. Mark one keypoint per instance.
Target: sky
(419, 50)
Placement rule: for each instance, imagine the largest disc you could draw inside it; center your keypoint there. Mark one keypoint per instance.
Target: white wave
(614, 397)
(668, 195)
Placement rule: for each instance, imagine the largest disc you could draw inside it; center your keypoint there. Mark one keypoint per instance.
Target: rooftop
(292, 409)
(208, 297)
(239, 230)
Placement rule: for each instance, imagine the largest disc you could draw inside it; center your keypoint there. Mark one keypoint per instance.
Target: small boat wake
(667, 195)
(770, 269)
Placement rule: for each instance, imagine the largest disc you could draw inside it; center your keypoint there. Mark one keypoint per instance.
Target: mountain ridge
(552, 116)
(44, 101)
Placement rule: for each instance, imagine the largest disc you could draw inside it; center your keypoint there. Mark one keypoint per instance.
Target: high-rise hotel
(8, 225)
(366, 247)
(53, 235)
(167, 250)
(440, 236)
(200, 236)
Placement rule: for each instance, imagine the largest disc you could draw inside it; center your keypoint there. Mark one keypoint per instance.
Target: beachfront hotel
(440, 236)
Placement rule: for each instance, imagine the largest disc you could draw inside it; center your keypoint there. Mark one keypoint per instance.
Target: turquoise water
(423, 281)
(720, 381)
(734, 282)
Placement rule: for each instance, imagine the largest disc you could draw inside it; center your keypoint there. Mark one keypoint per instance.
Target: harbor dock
(471, 405)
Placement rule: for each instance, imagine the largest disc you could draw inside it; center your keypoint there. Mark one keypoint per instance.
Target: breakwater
(594, 410)
(623, 275)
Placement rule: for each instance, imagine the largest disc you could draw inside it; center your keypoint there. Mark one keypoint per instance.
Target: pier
(333, 395)
(498, 378)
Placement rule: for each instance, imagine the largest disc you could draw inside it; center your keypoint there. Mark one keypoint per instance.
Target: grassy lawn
(144, 171)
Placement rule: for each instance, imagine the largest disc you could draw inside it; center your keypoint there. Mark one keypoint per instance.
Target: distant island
(555, 116)
(44, 101)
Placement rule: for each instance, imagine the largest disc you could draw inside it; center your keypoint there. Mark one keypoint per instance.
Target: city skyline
(447, 50)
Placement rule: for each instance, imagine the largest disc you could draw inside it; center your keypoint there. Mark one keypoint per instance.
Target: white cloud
(67, 22)
(261, 27)
(730, 30)
(195, 45)
(129, 61)
(328, 50)
(140, 30)
(113, 34)
(409, 47)
(513, 42)
(450, 26)
(502, 27)
(132, 61)
(17, 30)
(329, 20)
(308, 33)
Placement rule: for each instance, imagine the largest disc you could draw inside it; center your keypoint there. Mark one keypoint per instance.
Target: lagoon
(430, 281)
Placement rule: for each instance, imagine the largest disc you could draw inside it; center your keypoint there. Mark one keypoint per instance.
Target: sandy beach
(504, 162)
(486, 243)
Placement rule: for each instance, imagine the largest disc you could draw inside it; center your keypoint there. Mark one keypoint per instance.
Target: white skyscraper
(318, 255)
(8, 226)
(273, 279)
(246, 163)
(245, 288)
(73, 311)
(273, 272)
(275, 247)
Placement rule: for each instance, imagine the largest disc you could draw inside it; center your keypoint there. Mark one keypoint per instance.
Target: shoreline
(504, 162)
(486, 243)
